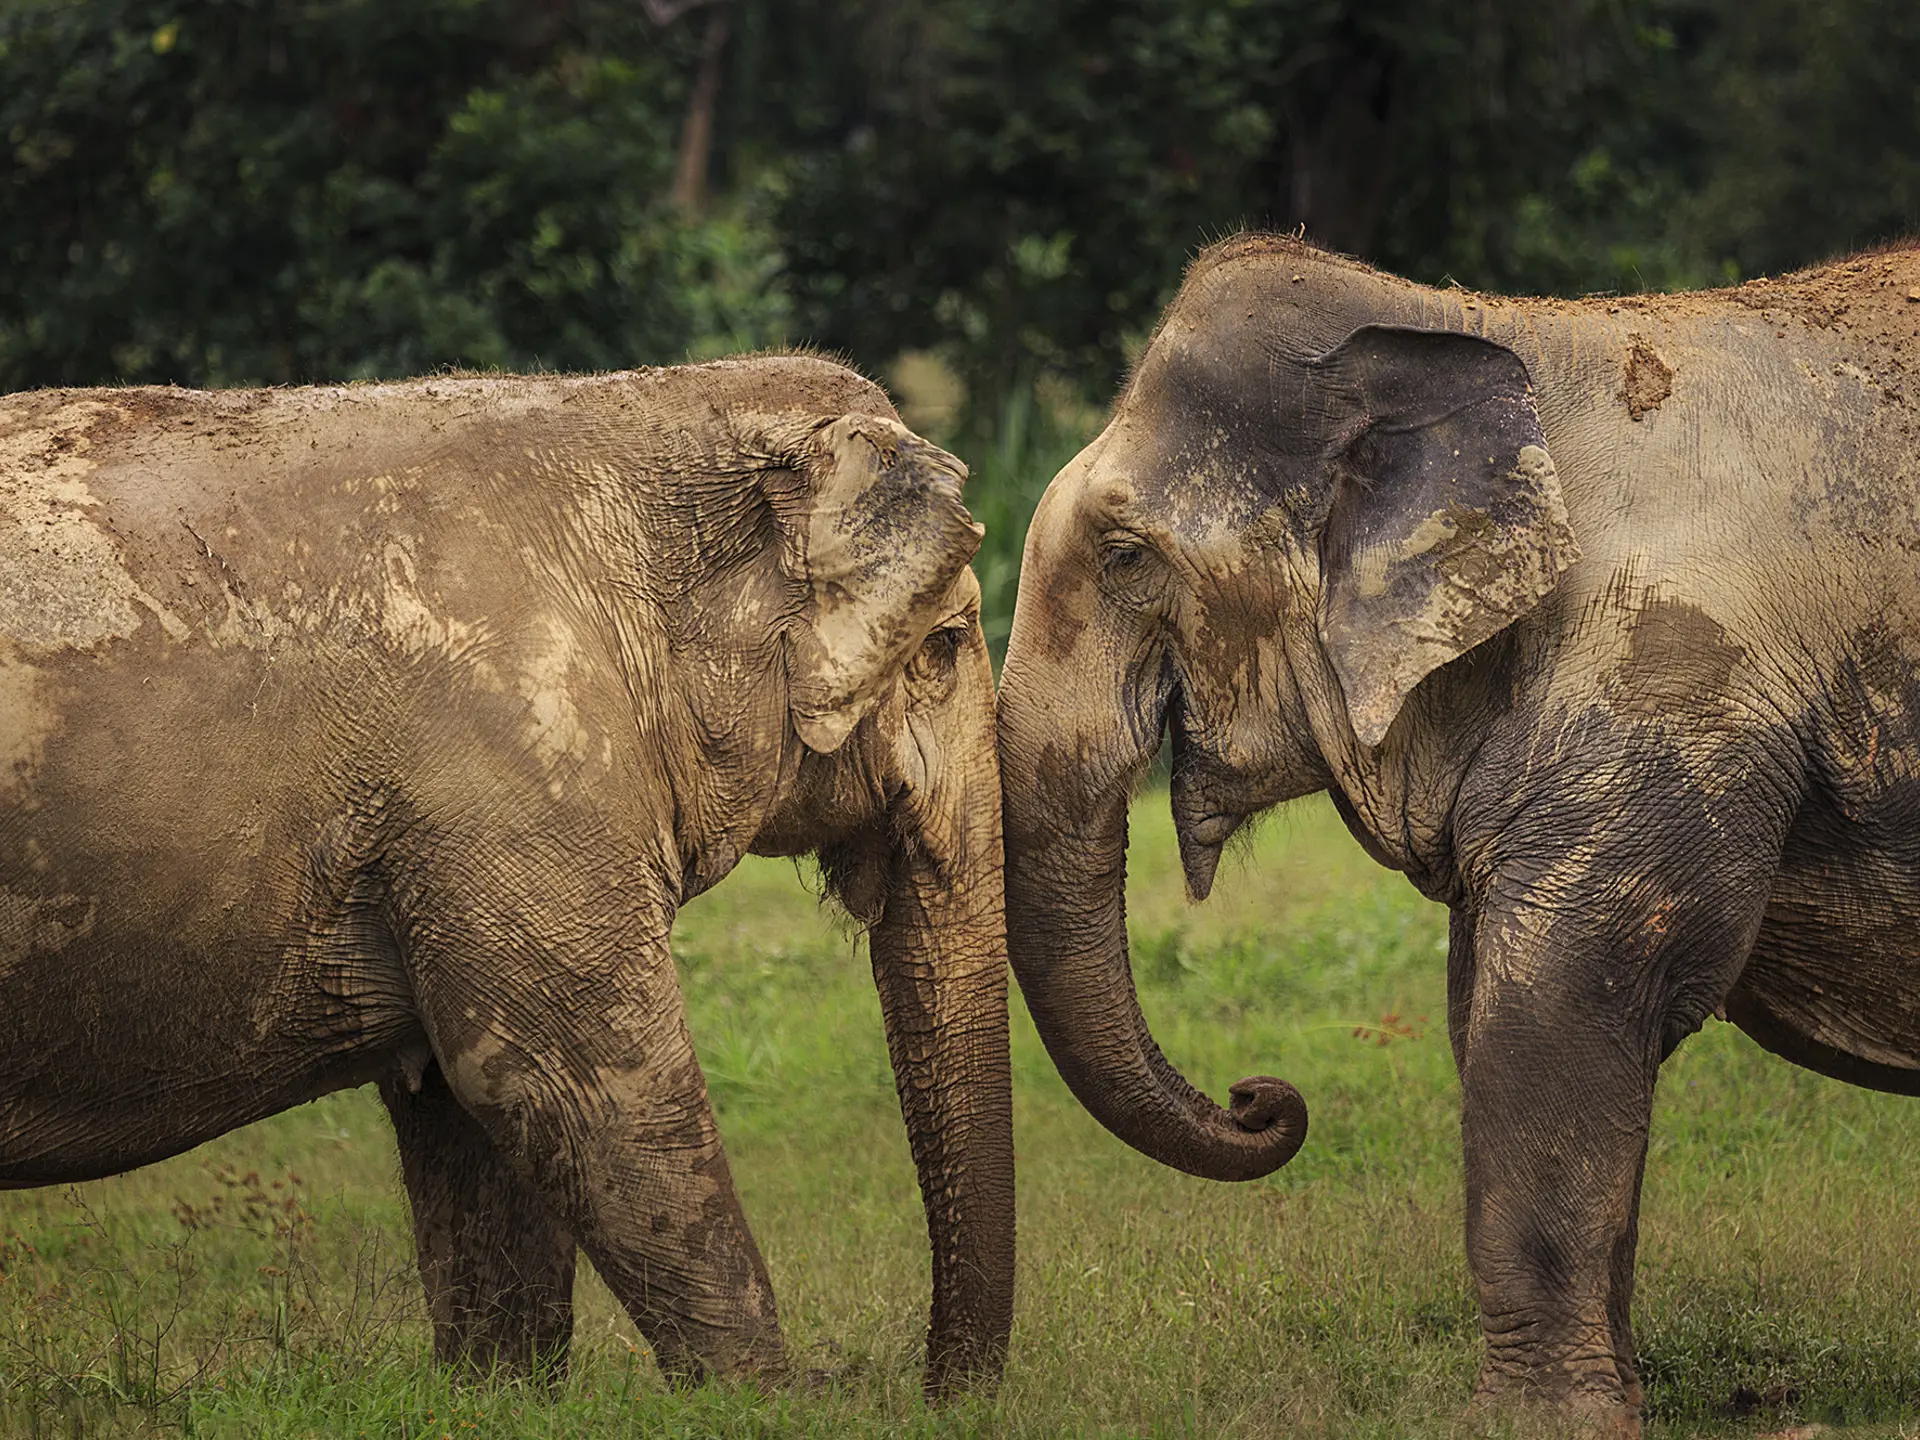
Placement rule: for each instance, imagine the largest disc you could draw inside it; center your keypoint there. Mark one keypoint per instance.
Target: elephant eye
(939, 652)
(1122, 555)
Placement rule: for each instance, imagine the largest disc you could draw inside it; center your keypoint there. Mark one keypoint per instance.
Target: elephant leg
(1554, 1119)
(538, 952)
(1585, 971)
(1459, 982)
(1620, 1295)
(1619, 1306)
(628, 1150)
(495, 1259)
(580, 1069)
(665, 1229)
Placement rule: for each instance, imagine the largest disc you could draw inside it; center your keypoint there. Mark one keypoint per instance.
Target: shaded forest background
(1003, 192)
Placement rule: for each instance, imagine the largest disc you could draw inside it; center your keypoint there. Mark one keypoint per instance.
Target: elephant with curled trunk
(377, 734)
(1599, 620)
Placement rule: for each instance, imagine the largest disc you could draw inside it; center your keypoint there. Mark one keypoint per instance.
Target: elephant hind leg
(496, 1260)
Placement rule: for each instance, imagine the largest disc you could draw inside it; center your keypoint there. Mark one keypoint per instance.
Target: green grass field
(262, 1286)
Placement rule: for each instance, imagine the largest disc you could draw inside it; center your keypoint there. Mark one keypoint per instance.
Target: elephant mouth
(1202, 824)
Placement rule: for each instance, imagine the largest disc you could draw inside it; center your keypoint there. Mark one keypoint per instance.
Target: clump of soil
(1649, 379)
(1866, 301)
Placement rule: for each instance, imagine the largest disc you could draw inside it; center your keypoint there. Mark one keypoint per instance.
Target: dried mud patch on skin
(63, 580)
(1648, 379)
(27, 717)
(43, 923)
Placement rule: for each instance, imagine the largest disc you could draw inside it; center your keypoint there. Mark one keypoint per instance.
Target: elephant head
(1301, 507)
(896, 786)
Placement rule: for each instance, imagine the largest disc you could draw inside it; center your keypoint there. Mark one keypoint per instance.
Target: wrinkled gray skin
(378, 733)
(1598, 620)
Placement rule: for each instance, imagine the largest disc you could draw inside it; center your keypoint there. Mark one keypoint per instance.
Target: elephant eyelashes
(1122, 557)
(939, 653)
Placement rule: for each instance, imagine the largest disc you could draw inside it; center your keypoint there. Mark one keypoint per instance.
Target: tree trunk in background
(696, 133)
(1342, 162)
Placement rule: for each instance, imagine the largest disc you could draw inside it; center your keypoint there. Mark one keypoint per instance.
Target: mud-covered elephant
(1599, 620)
(377, 733)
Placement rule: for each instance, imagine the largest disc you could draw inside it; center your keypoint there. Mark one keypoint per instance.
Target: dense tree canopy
(1024, 187)
(217, 191)
(228, 190)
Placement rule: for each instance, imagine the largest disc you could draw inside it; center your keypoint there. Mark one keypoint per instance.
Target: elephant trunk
(940, 964)
(1067, 939)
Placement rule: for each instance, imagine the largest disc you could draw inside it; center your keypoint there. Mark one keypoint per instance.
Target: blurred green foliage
(1020, 184)
(229, 191)
(223, 191)
(1807, 119)
(1026, 180)
(213, 191)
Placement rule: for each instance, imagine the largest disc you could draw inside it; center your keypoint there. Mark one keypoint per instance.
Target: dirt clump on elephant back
(1867, 302)
(1648, 381)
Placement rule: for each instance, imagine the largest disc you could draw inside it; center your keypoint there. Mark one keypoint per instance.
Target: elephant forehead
(1186, 472)
(1060, 518)
(1141, 483)
(1094, 476)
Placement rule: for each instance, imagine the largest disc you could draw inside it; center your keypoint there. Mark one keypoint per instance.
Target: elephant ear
(877, 538)
(1445, 521)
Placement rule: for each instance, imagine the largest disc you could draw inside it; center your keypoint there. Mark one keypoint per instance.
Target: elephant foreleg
(614, 1121)
(1556, 1341)
(546, 986)
(584, 1075)
(495, 1259)
(1620, 1293)
(1563, 1008)
(1555, 1115)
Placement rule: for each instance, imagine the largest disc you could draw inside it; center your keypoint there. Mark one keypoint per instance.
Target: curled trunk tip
(1261, 1129)
(1263, 1102)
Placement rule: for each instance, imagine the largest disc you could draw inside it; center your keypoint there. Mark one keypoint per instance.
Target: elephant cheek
(917, 752)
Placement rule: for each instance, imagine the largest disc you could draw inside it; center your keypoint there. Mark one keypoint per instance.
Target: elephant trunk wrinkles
(940, 964)
(1067, 939)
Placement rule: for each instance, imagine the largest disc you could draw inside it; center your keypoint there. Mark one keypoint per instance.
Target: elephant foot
(1598, 1409)
(750, 1356)
(537, 1354)
(1579, 1416)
